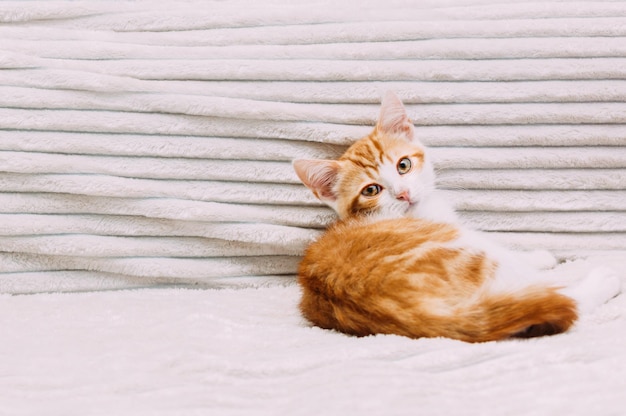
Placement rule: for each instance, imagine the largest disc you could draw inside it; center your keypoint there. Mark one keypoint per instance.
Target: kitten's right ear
(319, 176)
(393, 117)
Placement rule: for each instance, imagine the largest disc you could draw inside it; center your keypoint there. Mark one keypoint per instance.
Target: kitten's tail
(537, 311)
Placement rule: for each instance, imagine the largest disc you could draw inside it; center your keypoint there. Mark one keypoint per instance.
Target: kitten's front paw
(601, 285)
(606, 282)
(540, 259)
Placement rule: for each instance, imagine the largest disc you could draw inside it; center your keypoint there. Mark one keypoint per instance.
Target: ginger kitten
(398, 260)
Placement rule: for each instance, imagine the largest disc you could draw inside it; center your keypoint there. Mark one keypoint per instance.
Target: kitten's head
(385, 173)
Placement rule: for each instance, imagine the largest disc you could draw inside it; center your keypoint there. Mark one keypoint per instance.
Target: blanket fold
(144, 145)
(224, 107)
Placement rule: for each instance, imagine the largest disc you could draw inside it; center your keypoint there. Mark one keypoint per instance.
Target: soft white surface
(248, 351)
(149, 142)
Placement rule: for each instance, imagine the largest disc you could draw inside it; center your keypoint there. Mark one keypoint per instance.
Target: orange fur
(400, 276)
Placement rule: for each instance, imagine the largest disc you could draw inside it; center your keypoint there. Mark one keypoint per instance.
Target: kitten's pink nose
(403, 196)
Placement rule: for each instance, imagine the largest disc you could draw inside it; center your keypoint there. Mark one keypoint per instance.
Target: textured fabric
(248, 352)
(149, 143)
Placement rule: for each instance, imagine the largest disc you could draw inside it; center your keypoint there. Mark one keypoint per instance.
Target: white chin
(410, 208)
(405, 209)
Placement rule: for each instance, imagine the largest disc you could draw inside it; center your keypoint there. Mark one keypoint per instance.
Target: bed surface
(248, 352)
(145, 153)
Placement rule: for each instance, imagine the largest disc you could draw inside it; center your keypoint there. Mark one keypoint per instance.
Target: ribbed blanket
(148, 143)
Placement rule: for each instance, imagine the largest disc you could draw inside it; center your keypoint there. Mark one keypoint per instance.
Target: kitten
(398, 261)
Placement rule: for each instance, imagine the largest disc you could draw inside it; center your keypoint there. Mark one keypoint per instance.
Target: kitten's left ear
(393, 118)
(319, 176)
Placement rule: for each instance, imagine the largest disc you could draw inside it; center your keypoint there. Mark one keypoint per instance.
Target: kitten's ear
(393, 118)
(319, 176)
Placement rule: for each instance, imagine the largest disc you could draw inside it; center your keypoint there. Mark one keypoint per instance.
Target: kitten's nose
(403, 196)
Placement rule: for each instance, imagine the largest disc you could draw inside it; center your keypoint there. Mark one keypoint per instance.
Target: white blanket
(147, 144)
(248, 352)
(150, 142)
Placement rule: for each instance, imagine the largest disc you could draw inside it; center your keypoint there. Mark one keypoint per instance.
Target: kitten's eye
(371, 190)
(404, 165)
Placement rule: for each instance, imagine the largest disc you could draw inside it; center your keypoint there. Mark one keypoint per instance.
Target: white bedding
(149, 142)
(146, 146)
(248, 352)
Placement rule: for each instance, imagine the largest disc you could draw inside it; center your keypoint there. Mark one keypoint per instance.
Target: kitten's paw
(540, 259)
(601, 285)
(606, 281)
